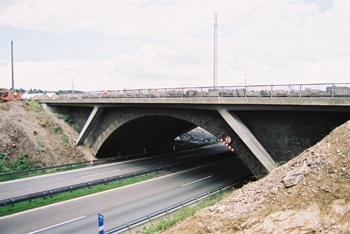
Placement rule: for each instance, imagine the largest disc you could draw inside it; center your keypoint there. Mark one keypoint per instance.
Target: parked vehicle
(6, 95)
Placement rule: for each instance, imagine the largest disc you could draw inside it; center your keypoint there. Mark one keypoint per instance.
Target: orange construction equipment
(6, 95)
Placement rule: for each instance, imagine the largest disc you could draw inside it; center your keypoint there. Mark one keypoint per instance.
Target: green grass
(65, 138)
(40, 144)
(15, 166)
(70, 195)
(35, 173)
(57, 129)
(183, 213)
(34, 106)
(68, 118)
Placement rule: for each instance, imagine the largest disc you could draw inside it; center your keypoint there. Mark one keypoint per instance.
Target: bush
(16, 166)
(57, 129)
(40, 144)
(65, 138)
(68, 118)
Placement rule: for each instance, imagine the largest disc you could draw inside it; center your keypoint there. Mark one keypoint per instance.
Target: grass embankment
(70, 195)
(22, 164)
(183, 213)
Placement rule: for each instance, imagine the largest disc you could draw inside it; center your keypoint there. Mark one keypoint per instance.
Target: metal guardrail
(278, 90)
(168, 210)
(70, 188)
(95, 162)
(99, 161)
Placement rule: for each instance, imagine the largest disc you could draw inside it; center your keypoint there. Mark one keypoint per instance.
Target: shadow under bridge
(148, 133)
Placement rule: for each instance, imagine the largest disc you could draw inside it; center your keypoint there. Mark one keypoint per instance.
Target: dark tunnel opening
(149, 133)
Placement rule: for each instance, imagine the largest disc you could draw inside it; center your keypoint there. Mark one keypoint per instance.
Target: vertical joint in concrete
(248, 138)
(50, 109)
(89, 125)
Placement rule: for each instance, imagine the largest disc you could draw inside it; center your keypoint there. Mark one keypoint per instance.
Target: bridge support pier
(89, 125)
(248, 138)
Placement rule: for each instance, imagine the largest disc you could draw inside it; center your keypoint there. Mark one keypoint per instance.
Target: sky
(134, 44)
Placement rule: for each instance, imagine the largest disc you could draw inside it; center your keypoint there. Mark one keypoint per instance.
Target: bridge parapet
(290, 90)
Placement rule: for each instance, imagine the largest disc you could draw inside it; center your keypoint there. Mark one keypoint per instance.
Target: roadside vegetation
(10, 209)
(34, 173)
(183, 213)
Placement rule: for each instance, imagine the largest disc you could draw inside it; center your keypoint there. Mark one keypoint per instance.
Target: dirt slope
(25, 128)
(318, 203)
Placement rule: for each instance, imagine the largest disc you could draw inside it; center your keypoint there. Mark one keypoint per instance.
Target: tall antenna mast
(215, 51)
(13, 80)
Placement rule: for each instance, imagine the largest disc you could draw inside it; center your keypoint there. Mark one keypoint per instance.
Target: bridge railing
(291, 90)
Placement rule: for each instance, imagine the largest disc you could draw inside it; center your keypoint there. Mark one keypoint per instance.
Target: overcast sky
(117, 44)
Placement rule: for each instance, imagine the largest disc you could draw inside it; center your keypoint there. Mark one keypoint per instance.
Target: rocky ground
(308, 194)
(25, 128)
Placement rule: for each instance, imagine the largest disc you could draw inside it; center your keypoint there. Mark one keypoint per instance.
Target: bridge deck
(234, 103)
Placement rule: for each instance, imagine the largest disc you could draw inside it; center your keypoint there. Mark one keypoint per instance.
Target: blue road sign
(101, 220)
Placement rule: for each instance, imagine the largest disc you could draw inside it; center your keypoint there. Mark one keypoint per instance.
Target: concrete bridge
(273, 126)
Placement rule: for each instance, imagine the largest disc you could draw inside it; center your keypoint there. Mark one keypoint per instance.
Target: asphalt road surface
(124, 204)
(15, 188)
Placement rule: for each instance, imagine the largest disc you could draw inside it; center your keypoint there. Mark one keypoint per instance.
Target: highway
(35, 184)
(124, 204)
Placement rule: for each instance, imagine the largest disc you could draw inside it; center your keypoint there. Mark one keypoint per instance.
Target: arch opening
(149, 133)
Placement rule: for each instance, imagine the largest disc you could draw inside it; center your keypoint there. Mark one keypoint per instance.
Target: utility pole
(215, 51)
(13, 80)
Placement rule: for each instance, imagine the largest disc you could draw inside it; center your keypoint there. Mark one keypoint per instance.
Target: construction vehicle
(6, 95)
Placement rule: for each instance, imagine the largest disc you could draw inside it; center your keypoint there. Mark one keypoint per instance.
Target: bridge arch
(125, 131)
(148, 133)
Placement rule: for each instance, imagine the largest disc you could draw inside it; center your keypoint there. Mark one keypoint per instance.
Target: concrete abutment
(281, 134)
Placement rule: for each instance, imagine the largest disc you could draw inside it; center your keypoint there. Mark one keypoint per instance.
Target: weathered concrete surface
(234, 103)
(89, 125)
(285, 134)
(132, 130)
(283, 126)
(248, 138)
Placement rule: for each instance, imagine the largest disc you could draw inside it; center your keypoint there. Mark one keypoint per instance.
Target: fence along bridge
(267, 123)
(292, 90)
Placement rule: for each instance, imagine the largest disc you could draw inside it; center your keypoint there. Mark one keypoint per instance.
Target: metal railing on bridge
(291, 90)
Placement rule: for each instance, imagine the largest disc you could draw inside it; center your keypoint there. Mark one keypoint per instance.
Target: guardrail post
(332, 90)
(271, 90)
(165, 93)
(201, 92)
(300, 91)
(222, 91)
(182, 91)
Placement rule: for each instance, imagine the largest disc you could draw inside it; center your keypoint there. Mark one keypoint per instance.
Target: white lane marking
(106, 191)
(196, 181)
(56, 225)
(99, 173)
(187, 156)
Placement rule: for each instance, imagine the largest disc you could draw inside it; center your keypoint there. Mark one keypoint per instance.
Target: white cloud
(273, 41)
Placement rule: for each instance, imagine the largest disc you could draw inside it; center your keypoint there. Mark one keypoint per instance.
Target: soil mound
(308, 194)
(45, 140)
